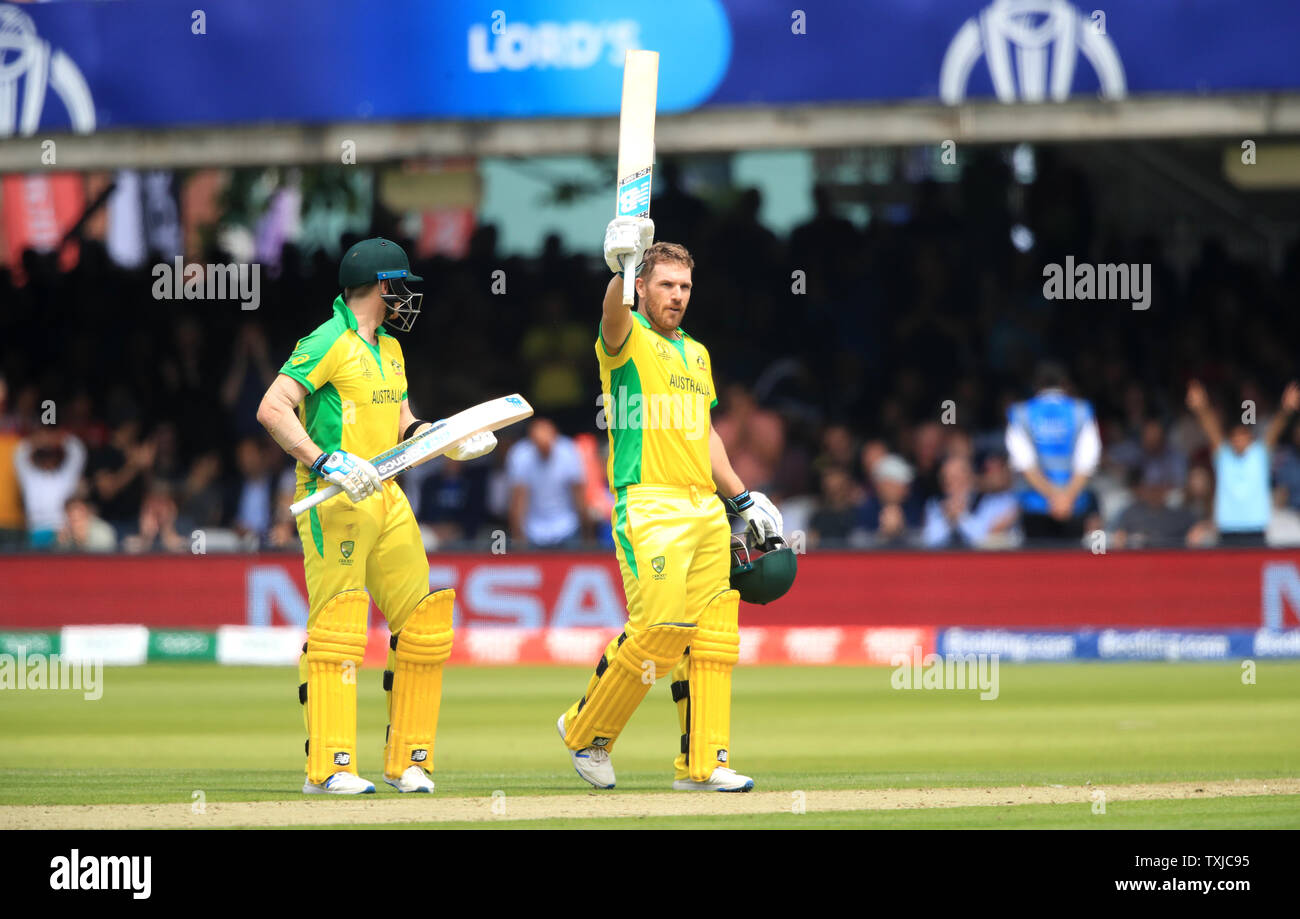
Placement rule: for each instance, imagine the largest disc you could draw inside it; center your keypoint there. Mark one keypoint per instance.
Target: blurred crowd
(883, 385)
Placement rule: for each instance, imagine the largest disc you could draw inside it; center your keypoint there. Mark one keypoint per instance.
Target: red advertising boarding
(38, 210)
(1040, 590)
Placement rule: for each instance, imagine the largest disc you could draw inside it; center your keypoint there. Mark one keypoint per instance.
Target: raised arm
(616, 319)
(626, 239)
(1199, 403)
(1290, 402)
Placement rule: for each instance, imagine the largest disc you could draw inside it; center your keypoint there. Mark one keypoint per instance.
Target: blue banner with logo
(93, 66)
(1121, 644)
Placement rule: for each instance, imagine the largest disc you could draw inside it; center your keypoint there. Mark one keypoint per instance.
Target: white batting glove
(473, 446)
(626, 239)
(760, 515)
(353, 474)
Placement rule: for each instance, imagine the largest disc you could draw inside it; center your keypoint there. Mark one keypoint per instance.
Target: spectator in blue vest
(1053, 444)
(1242, 502)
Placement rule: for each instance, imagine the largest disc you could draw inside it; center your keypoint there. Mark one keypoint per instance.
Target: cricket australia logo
(29, 67)
(397, 366)
(1031, 48)
(345, 549)
(657, 563)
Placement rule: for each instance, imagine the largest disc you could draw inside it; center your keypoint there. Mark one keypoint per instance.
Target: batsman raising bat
(667, 469)
(339, 398)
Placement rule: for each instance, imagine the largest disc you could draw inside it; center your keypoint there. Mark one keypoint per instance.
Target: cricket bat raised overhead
(434, 441)
(636, 145)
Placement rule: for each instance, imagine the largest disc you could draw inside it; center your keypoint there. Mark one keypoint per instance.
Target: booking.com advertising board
(88, 65)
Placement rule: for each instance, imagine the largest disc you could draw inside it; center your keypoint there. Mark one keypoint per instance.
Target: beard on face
(658, 311)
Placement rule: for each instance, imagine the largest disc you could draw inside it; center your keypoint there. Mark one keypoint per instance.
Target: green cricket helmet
(379, 259)
(764, 573)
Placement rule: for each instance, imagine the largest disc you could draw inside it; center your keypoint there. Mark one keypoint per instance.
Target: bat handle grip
(311, 501)
(629, 284)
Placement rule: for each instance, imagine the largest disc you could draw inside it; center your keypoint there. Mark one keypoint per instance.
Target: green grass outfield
(163, 731)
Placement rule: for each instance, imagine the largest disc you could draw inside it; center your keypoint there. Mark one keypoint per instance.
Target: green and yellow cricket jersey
(658, 393)
(354, 389)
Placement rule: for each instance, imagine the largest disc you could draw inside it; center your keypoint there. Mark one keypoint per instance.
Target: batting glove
(760, 515)
(475, 445)
(354, 475)
(626, 239)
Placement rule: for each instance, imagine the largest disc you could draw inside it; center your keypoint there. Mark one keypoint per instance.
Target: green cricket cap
(374, 260)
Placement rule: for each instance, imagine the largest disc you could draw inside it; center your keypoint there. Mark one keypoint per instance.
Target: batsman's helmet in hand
(761, 574)
(373, 260)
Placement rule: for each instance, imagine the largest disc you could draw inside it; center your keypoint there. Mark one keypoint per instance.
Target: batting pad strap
(630, 673)
(336, 645)
(423, 646)
(714, 654)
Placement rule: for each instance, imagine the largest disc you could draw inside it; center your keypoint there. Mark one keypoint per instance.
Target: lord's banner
(86, 66)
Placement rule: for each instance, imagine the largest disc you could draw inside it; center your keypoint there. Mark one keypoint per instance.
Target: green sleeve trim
(714, 403)
(601, 332)
(311, 350)
(295, 375)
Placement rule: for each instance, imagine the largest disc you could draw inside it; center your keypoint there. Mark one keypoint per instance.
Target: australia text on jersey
(625, 410)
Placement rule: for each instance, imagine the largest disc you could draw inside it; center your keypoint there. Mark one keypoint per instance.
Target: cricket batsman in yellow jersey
(667, 469)
(341, 397)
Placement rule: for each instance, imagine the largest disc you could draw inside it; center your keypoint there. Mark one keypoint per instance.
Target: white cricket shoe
(340, 783)
(592, 763)
(722, 779)
(413, 779)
